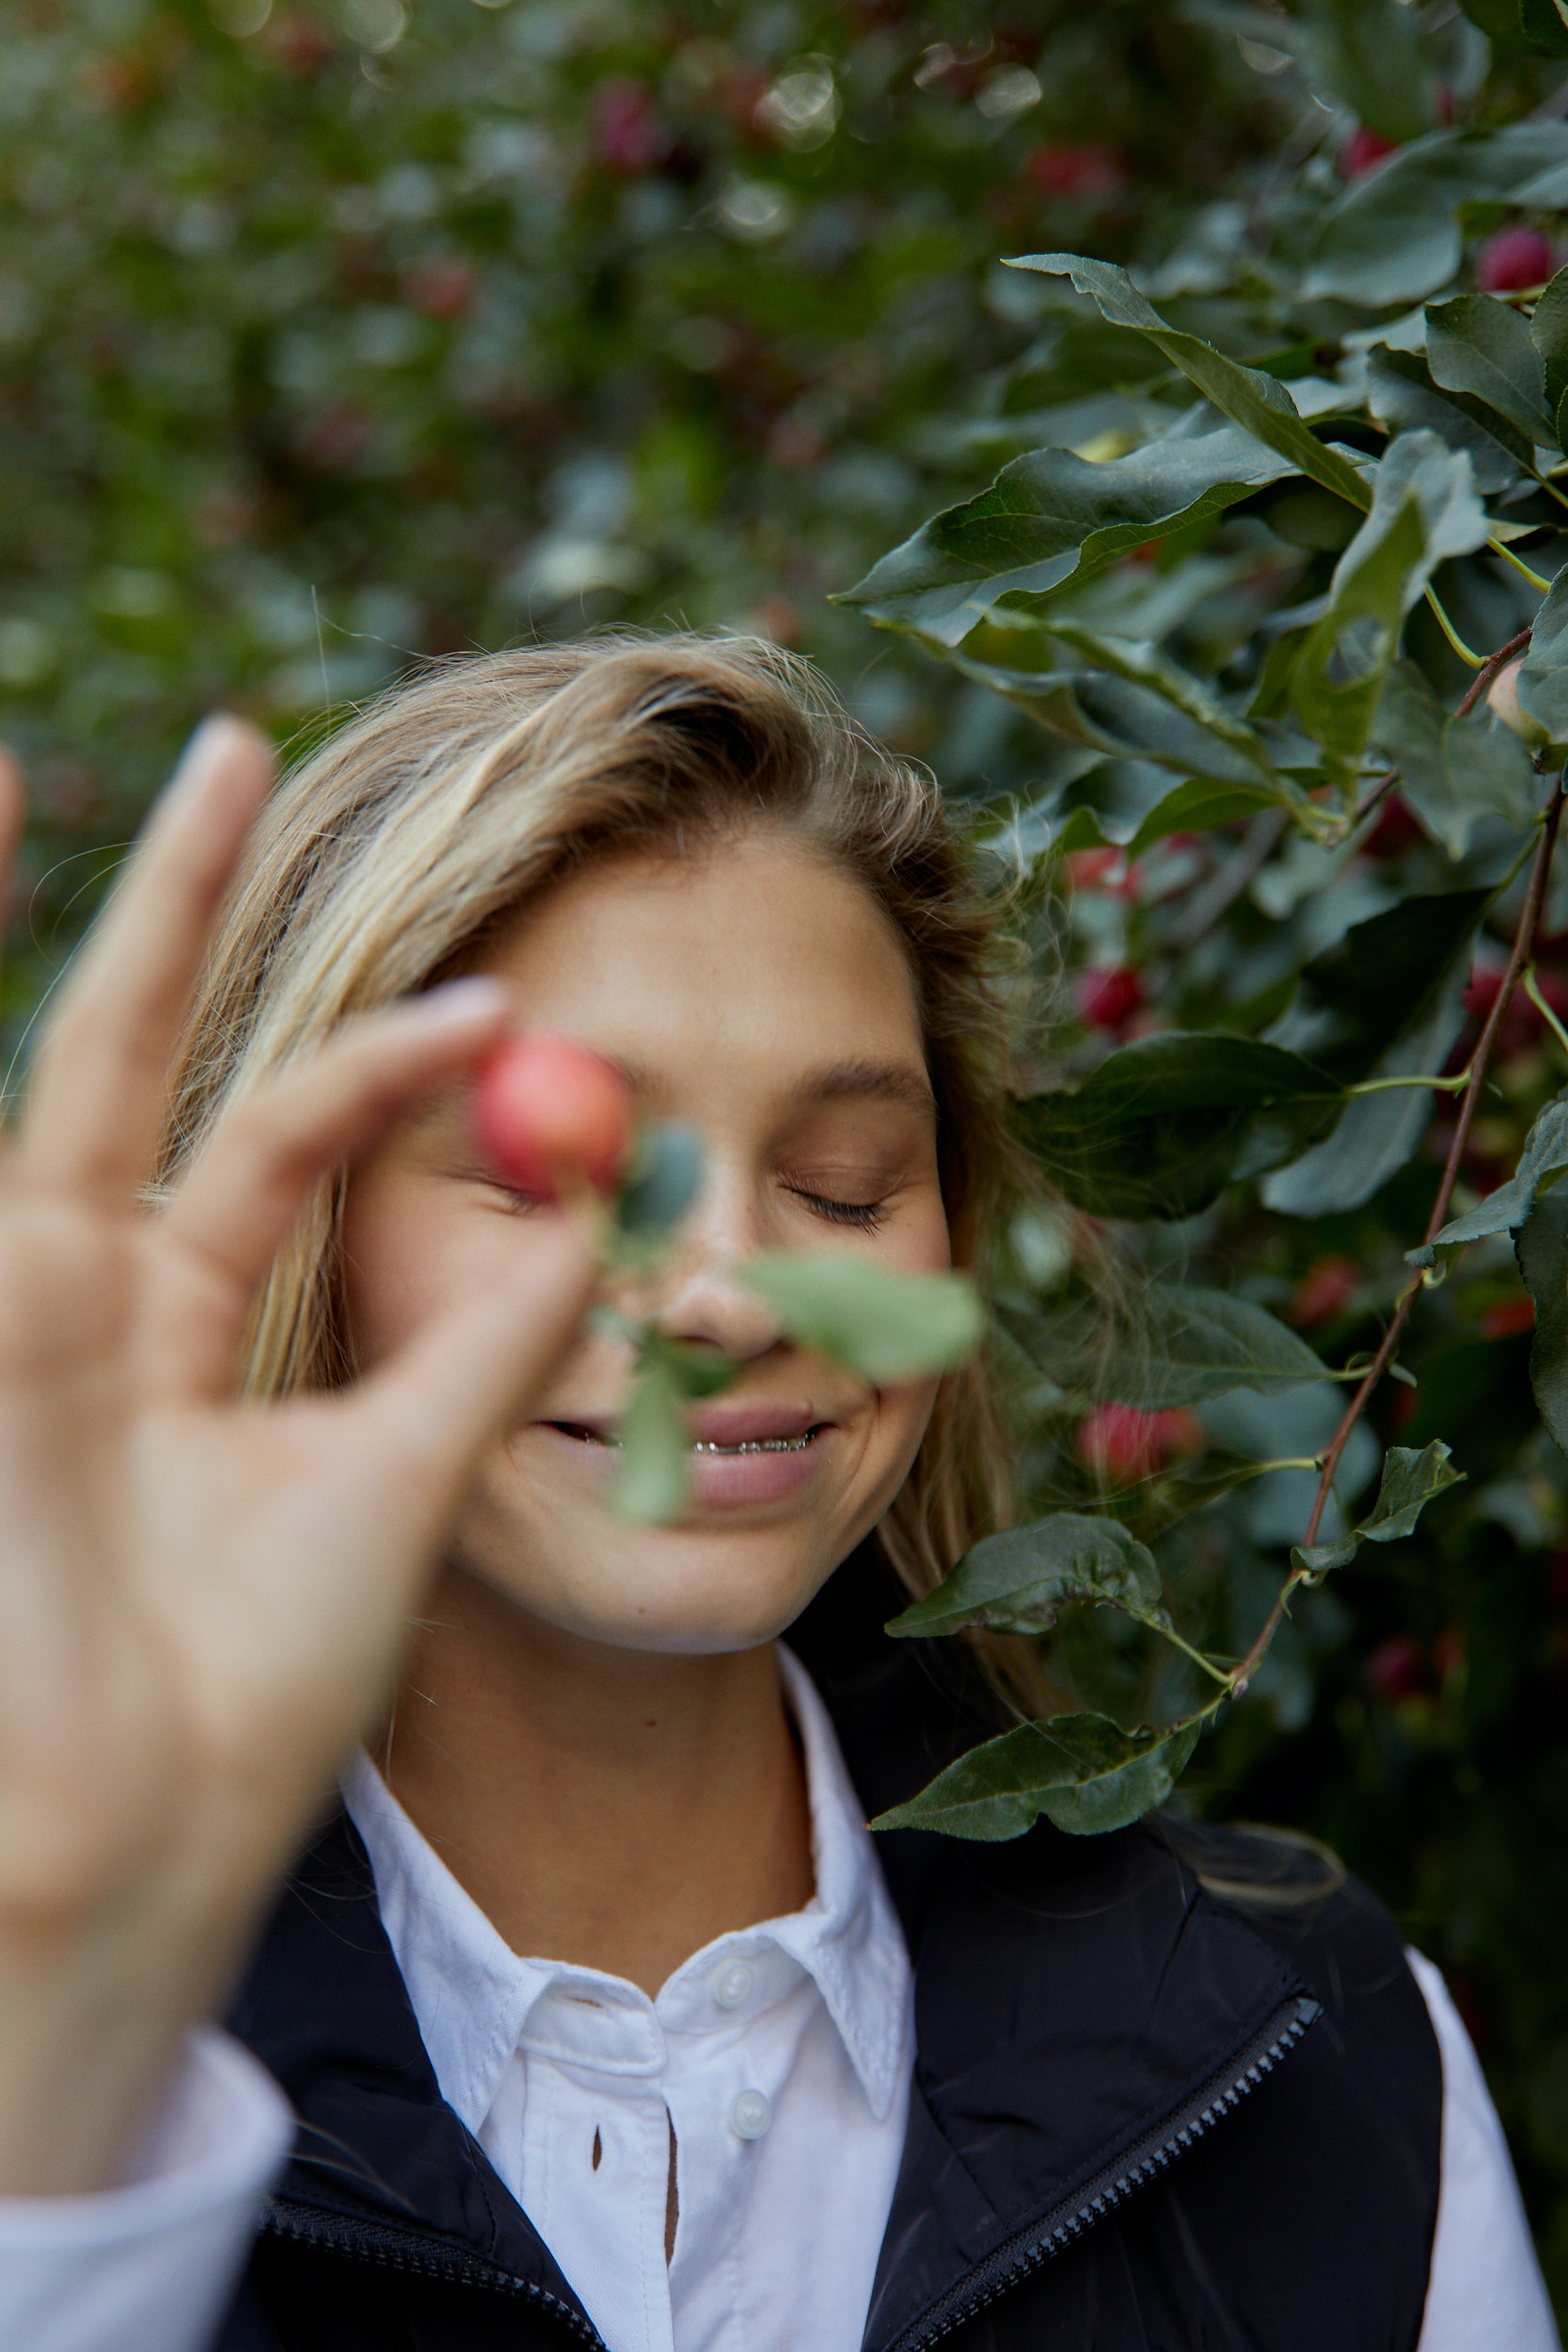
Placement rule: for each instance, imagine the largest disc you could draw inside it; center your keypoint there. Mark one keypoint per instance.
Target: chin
(679, 1591)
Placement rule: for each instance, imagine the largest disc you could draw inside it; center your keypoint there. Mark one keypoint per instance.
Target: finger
(425, 1417)
(256, 1174)
(96, 1105)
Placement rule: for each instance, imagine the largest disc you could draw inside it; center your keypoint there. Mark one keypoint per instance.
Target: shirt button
(732, 1984)
(751, 2115)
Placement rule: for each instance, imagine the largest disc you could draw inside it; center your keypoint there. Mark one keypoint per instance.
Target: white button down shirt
(781, 2055)
(796, 2033)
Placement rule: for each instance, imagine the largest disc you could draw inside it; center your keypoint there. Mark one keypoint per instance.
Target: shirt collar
(473, 1996)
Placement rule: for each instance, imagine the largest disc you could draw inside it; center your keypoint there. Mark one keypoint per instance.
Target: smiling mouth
(700, 1445)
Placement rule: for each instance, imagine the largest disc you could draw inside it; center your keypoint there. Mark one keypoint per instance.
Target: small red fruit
(1397, 1670)
(1060, 167)
(548, 1111)
(1121, 1442)
(1363, 152)
(1513, 258)
(1106, 999)
(1324, 1291)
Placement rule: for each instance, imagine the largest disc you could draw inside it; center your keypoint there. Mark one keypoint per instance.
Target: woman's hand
(201, 1599)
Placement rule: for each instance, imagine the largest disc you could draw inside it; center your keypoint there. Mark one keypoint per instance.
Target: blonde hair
(394, 853)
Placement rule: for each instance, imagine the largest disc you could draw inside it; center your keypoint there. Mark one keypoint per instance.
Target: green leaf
(1545, 1155)
(1541, 23)
(1050, 522)
(1314, 1559)
(1083, 1772)
(651, 1477)
(1142, 663)
(1549, 328)
(1200, 806)
(664, 1179)
(1362, 995)
(1370, 54)
(1400, 394)
(1452, 771)
(1541, 1246)
(1479, 346)
(1164, 1124)
(1424, 511)
(1542, 679)
(1258, 402)
(1107, 804)
(1386, 1002)
(884, 1326)
(1123, 718)
(1015, 1583)
(1394, 236)
(1497, 19)
(1205, 1342)
(1177, 1344)
(1409, 1482)
(1378, 1134)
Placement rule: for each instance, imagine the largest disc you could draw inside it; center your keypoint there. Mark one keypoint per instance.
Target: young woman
(591, 2013)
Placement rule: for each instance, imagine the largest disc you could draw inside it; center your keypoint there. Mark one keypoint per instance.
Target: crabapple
(547, 1109)
(1513, 258)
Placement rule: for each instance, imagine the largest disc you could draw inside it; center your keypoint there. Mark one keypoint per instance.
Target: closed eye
(866, 1215)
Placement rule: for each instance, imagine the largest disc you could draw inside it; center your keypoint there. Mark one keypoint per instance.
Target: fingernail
(204, 747)
(462, 1000)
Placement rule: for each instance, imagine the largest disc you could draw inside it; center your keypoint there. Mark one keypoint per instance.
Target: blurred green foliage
(335, 335)
(331, 335)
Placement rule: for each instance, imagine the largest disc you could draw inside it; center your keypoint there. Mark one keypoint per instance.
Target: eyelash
(868, 1216)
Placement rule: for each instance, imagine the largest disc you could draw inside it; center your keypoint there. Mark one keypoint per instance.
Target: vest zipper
(1003, 2270)
(390, 2248)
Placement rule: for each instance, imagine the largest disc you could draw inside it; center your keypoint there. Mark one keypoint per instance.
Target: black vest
(1143, 2118)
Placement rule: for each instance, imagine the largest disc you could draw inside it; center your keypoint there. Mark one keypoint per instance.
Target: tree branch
(1523, 949)
(1488, 671)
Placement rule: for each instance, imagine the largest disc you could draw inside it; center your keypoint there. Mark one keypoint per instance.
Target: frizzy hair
(391, 856)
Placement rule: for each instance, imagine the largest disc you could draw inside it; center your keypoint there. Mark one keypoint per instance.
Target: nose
(698, 1297)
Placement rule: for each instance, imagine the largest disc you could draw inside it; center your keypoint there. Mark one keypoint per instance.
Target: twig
(1524, 944)
(1472, 661)
(1499, 546)
(1379, 792)
(1488, 671)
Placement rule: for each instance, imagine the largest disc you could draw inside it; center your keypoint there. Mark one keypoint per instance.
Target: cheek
(903, 1415)
(402, 1263)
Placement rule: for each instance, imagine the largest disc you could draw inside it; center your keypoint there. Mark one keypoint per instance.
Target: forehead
(753, 945)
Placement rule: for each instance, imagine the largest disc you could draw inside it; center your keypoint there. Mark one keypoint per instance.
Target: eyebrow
(868, 1081)
(834, 1082)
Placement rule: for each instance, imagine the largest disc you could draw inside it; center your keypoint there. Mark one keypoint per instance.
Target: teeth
(748, 1445)
(757, 1445)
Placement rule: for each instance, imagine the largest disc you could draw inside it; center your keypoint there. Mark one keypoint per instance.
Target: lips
(726, 1426)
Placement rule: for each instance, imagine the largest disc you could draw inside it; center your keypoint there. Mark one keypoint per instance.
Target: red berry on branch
(548, 1112)
(1126, 1444)
(1513, 258)
(1106, 999)
(1397, 1669)
(1085, 868)
(1324, 1291)
(627, 135)
(1363, 152)
(1060, 167)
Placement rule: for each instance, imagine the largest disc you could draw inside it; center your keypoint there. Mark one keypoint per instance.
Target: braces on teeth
(756, 1445)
